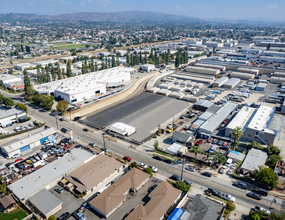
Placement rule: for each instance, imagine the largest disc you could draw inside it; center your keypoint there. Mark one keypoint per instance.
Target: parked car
(92, 144)
(234, 166)
(16, 155)
(254, 196)
(169, 130)
(187, 182)
(63, 216)
(58, 189)
(240, 185)
(225, 144)
(199, 142)
(170, 125)
(258, 208)
(158, 157)
(175, 177)
(208, 174)
(142, 165)
(215, 141)
(80, 216)
(222, 169)
(182, 116)
(190, 168)
(63, 130)
(104, 149)
(260, 192)
(168, 161)
(210, 140)
(127, 158)
(152, 188)
(61, 119)
(85, 129)
(154, 169)
(220, 142)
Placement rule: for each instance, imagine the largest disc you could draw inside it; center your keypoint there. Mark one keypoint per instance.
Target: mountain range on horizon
(126, 16)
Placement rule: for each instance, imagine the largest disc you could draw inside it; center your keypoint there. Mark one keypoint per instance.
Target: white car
(170, 125)
(142, 165)
(234, 166)
(154, 169)
(16, 155)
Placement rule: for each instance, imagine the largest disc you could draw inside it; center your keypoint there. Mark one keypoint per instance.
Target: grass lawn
(216, 198)
(168, 156)
(26, 44)
(68, 46)
(17, 214)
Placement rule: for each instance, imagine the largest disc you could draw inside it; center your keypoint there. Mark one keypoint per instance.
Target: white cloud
(90, 1)
(177, 6)
(104, 2)
(273, 6)
(82, 3)
(30, 3)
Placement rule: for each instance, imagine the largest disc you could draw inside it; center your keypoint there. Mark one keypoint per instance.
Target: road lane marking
(211, 184)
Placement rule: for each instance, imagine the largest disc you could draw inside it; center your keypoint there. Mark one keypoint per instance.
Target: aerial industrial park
(136, 118)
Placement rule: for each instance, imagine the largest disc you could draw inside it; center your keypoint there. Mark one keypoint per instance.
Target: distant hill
(126, 16)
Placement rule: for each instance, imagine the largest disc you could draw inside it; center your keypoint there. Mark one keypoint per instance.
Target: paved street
(121, 149)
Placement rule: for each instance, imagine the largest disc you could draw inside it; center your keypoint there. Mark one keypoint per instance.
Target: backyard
(17, 214)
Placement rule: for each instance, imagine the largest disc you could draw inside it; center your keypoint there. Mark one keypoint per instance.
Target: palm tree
(237, 133)
(196, 150)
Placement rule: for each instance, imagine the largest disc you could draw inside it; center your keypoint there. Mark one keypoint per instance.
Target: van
(42, 155)
(229, 162)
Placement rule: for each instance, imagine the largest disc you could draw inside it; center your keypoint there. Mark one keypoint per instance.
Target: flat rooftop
(93, 172)
(144, 112)
(243, 118)
(36, 181)
(261, 117)
(254, 159)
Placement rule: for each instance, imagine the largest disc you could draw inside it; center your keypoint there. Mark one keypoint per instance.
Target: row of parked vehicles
(63, 146)
(24, 127)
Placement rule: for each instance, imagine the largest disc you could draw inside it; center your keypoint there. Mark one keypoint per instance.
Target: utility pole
(69, 114)
(103, 140)
(183, 160)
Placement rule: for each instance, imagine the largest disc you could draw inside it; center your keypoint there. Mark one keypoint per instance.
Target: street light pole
(69, 114)
(56, 122)
(103, 140)
(183, 160)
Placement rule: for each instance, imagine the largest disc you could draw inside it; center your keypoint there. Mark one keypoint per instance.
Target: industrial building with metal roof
(208, 71)
(231, 83)
(49, 175)
(220, 82)
(242, 75)
(253, 160)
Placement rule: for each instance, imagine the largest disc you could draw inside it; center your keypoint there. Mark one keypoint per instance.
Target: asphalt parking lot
(131, 202)
(69, 202)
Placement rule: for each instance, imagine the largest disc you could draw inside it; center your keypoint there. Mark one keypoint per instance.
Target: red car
(225, 144)
(225, 122)
(199, 142)
(210, 140)
(19, 160)
(67, 147)
(127, 158)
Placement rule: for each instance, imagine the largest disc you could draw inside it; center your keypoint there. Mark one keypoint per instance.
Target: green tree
(68, 69)
(113, 61)
(96, 67)
(30, 91)
(8, 102)
(230, 206)
(237, 133)
(155, 145)
(118, 61)
(26, 80)
(177, 61)
(22, 106)
(254, 217)
(276, 216)
(59, 74)
(53, 75)
(3, 188)
(222, 158)
(271, 149)
(62, 106)
(52, 217)
(47, 74)
(266, 175)
(133, 164)
(196, 151)
(273, 159)
(268, 46)
(182, 186)
(148, 170)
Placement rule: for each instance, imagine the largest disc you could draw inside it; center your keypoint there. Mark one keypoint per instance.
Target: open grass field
(17, 214)
(68, 46)
(27, 44)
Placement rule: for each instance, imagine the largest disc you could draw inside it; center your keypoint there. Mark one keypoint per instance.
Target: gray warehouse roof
(232, 81)
(203, 102)
(221, 79)
(45, 202)
(32, 183)
(253, 159)
(183, 136)
(10, 112)
(213, 122)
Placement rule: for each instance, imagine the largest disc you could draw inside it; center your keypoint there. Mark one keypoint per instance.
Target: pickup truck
(223, 169)
(221, 195)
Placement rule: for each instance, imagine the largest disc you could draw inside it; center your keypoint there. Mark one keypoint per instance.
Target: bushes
(133, 164)
(148, 170)
(22, 106)
(226, 212)
(230, 206)
(272, 150)
(182, 186)
(44, 101)
(273, 159)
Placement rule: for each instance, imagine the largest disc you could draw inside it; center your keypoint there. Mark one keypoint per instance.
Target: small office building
(10, 116)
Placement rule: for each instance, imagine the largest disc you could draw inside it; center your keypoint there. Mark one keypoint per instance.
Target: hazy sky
(239, 9)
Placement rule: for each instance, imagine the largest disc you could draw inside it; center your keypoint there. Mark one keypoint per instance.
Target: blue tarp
(234, 152)
(175, 215)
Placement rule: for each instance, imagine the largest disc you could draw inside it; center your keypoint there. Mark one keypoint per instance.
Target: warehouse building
(247, 70)
(147, 67)
(12, 82)
(87, 86)
(231, 83)
(10, 116)
(45, 63)
(45, 203)
(272, 44)
(194, 78)
(202, 105)
(213, 44)
(279, 74)
(221, 68)
(277, 80)
(19, 146)
(251, 51)
(116, 194)
(49, 175)
(253, 160)
(162, 198)
(216, 119)
(220, 82)
(22, 66)
(202, 70)
(273, 59)
(254, 124)
(241, 75)
(273, 54)
(122, 129)
(261, 86)
(94, 173)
